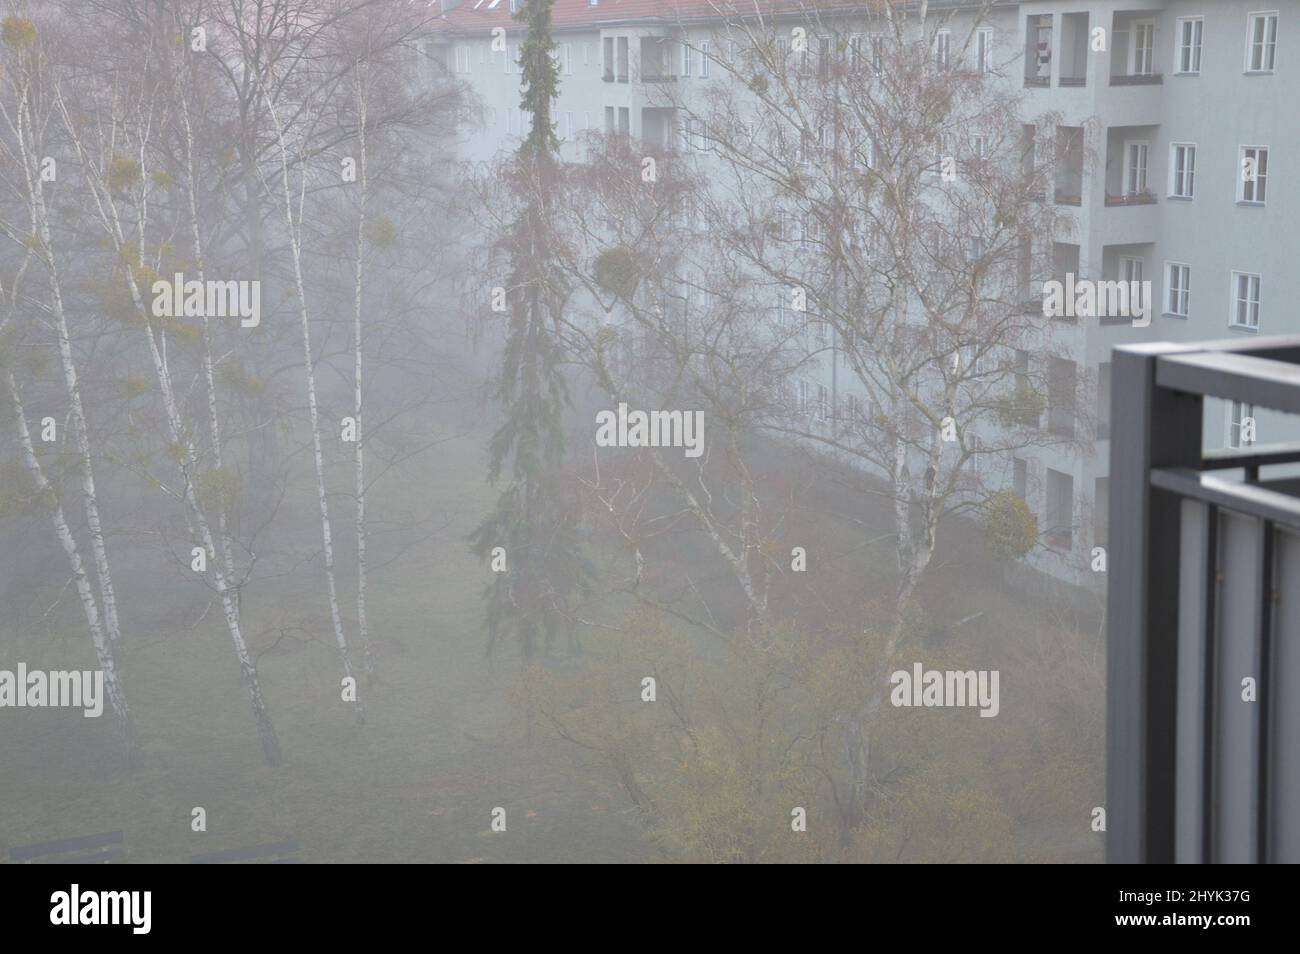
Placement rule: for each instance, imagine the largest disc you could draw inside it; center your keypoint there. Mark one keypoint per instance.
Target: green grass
(442, 744)
(444, 741)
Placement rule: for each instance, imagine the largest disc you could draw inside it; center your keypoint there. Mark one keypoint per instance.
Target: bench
(274, 853)
(101, 849)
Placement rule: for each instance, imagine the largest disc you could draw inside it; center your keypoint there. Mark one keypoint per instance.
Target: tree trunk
(80, 431)
(363, 629)
(295, 247)
(48, 495)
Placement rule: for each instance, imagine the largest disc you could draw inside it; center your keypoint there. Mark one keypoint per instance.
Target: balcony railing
(1073, 81)
(1136, 79)
(1203, 615)
(1131, 198)
(1042, 82)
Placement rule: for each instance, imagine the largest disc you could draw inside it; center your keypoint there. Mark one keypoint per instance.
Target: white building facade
(1175, 134)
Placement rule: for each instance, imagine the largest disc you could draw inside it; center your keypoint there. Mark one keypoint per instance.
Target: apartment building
(1172, 159)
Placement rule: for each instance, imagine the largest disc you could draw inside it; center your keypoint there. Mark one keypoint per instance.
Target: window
(704, 59)
(1130, 269)
(781, 315)
(1241, 424)
(1135, 168)
(942, 44)
(856, 57)
(1062, 380)
(1188, 54)
(1254, 174)
(1060, 510)
(624, 120)
(1103, 401)
(803, 397)
(701, 137)
(851, 410)
(878, 54)
(1178, 288)
(1261, 42)
(687, 56)
(1100, 512)
(863, 156)
(824, 48)
(1020, 476)
(981, 144)
(607, 59)
(984, 51)
(1245, 301)
(1142, 50)
(1182, 170)
(609, 120)
(566, 58)
(622, 59)
(975, 248)
(823, 402)
(940, 152)
(568, 125)
(1020, 368)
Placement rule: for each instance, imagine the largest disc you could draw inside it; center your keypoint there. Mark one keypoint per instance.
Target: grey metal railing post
(1150, 427)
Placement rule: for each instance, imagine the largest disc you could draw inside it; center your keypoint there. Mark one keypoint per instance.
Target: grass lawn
(445, 741)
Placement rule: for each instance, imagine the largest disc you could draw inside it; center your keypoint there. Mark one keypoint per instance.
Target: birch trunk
(214, 419)
(187, 461)
(363, 629)
(229, 599)
(295, 247)
(103, 653)
(912, 563)
(71, 383)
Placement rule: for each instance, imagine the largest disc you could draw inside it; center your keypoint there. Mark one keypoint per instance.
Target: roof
(481, 16)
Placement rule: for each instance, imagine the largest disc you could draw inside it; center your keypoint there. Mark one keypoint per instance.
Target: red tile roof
(571, 14)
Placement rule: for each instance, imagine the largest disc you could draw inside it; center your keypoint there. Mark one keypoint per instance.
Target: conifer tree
(532, 521)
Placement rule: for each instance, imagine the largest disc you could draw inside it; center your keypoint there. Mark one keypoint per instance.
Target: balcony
(656, 60)
(1136, 79)
(1204, 593)
(1038, 50)
(1131, 198)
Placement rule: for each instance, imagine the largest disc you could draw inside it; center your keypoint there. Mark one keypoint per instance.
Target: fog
(384, 483)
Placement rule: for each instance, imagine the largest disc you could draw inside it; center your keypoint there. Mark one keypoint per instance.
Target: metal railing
(1203, 614)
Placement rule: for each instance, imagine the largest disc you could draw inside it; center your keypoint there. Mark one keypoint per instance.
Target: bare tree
(888, 192)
